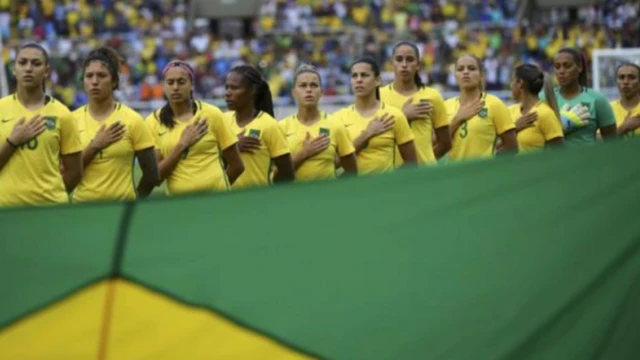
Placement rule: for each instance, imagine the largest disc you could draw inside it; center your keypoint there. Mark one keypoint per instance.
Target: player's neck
(101, 110)
(570, 91)
(31, 100)
(527, 102)
(245, 116)
(308, 115)
(182, 110)
(405, 86)
(468, 95)
(629, 103)
(366, 104)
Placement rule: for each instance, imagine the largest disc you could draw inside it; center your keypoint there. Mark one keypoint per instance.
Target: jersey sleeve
(221, 129)
(550, 125)
(440, 117)
(401, 128)
(343, 141)
(152, 125)
(450, 109)
(275, 140)
(502, 117)
(69, 135)
(141, 136)
(604, 113)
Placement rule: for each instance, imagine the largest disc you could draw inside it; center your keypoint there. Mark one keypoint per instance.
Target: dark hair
(262, 100)
(536, 80)
(579, 59)
(416, 78)
(166, 113)
(374, 66)
(109, 58)
(635, 66)
(45, 54)
(306, 69)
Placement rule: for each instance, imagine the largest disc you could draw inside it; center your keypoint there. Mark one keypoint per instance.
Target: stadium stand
(148, 33)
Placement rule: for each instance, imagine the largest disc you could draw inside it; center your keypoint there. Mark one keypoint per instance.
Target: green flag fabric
(529, 257)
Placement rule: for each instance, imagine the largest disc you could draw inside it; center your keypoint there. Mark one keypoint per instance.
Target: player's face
(628, 79)
(363, 80)
(237, 95)
(405, 62)
(517, 86)
(177, 85)
(566, 69)
(468, 73)
(98, 82)
(307, 90)
(31, 68)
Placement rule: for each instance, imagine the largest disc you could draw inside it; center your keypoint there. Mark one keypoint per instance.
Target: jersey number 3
(463, 130)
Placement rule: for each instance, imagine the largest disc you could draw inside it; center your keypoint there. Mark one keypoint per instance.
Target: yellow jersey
(379, 153)
(322, 165)
(546, 127)
(257, 166)
(109, 176)
(422, 129)
(477, 137)
(621, 113)
(32, 174)
(200, 167)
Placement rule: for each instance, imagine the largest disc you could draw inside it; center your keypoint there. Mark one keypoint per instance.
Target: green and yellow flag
(534, 257)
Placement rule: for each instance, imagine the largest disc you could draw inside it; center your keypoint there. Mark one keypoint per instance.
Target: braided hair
(251, 77)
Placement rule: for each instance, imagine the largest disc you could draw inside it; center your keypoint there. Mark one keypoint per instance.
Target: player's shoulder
(287, 121)
(208, 108)
(125, 113)
(429, 93)
(594, 94)
(55, 107)
(452, 101)
(391, 110)
(8, 100)
(153, 117)
(386, 90)
(492, 100)
(544, 110)
(265, 120)
(79, 112)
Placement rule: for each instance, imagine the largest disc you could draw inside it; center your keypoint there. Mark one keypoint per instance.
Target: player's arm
(150, 174)
(190, 135)
(346, 156)
(509, 141)
(233, 163)
(349, 164)
(284, 169)
(22, 132)
(408, 153)
(441, 125)
(103, 139)
(606, 119)
(404, 140)
(72, 170)
(443, 141)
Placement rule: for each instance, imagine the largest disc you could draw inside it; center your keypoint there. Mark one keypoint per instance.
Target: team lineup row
(48, 152)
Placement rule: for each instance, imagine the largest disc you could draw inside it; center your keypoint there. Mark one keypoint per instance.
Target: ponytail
(166, 113)
(262, 99)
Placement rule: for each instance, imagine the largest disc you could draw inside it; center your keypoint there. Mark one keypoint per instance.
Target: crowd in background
(329, 33)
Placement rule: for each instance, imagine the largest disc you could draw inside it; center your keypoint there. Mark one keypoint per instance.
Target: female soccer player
(38, 135)
(571, 73)
(112, 134)
(478, 119)
(376, 128)
(190, 136)
(261, 141)
(422, 105)
(315, 138)
(627, 108)
(537, 124)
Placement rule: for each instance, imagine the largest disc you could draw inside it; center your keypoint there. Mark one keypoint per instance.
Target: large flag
(534, 257)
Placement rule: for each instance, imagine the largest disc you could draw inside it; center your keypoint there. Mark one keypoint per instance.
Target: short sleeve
(141, 136)
(440, 117)
(343, 141)
(221, 130)
(450, 109)
(604, 112)
(69, 135)
(550, 125)
(401, 128)
(501, 117)
(152, 124)
(275, 140)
